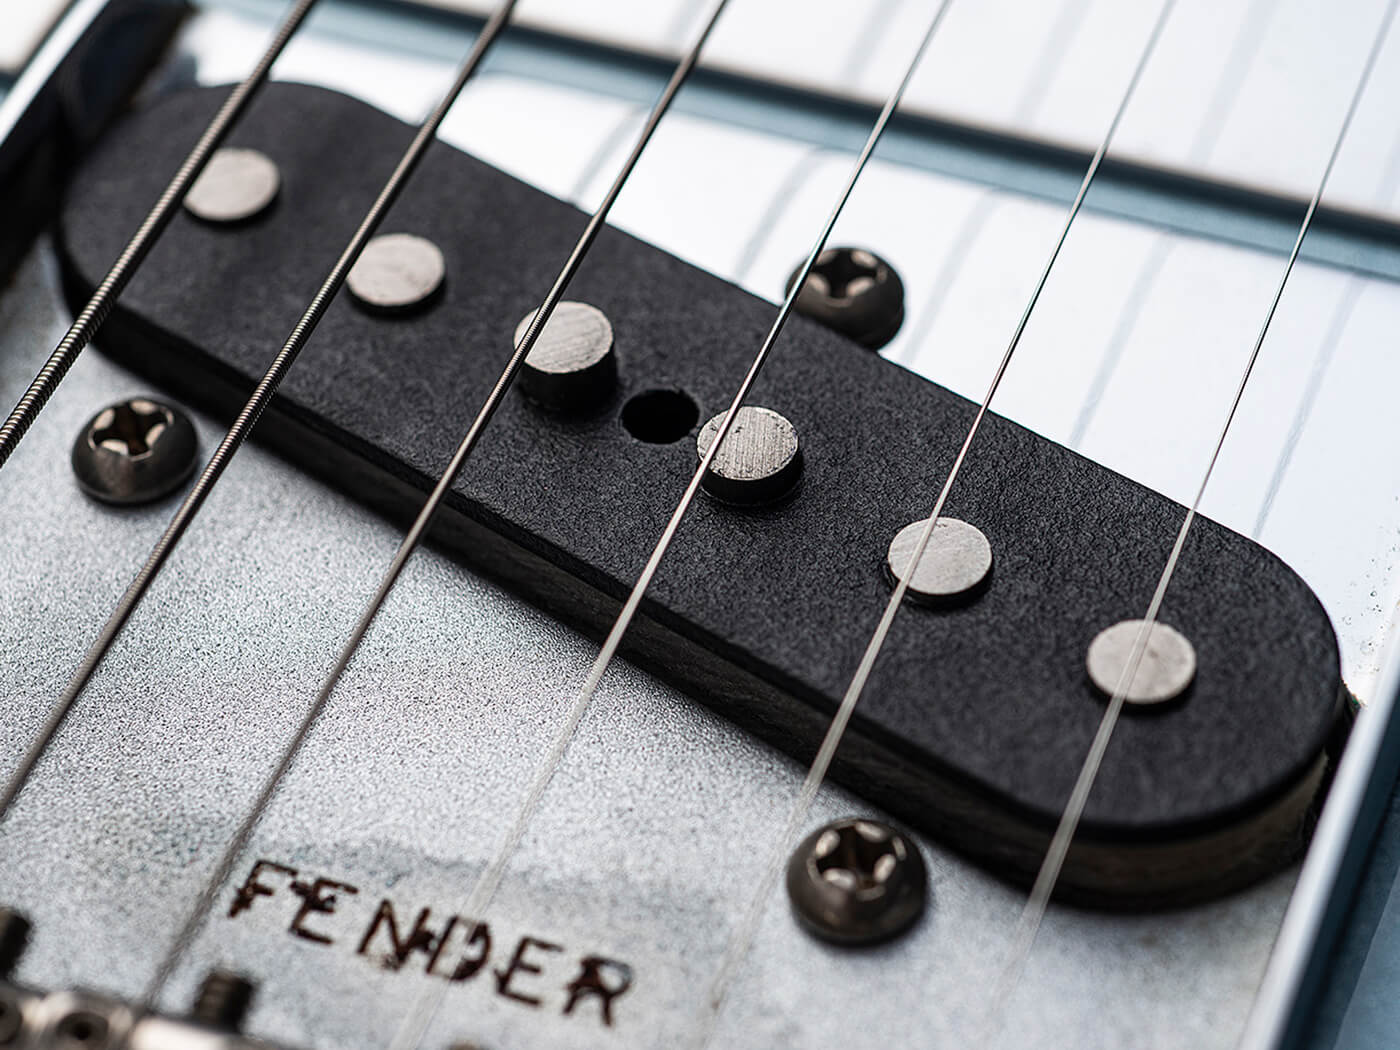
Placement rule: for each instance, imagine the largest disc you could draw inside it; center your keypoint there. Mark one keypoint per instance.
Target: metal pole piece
(90, 319)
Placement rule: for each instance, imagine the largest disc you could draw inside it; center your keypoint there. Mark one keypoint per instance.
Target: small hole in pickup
(81, 1028)
(660, 417)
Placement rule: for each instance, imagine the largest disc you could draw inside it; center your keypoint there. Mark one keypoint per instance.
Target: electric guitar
(1157, 244)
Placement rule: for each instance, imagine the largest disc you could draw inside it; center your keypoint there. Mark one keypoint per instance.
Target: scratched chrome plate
(650, 838)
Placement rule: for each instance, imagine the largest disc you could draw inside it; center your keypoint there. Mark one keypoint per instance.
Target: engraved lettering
(518, 964)
(251, 889)
(419, 939)
(315, 899)
(453, 948)
(601, 979)
(475, 935)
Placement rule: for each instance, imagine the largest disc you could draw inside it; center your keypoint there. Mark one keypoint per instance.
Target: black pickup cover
(976, 719)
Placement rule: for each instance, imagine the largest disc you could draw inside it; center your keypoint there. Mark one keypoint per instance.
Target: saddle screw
(14, 937)
(81, 1028)
(223, 1000)
(11, 1016)
(134, 452)
(857, 881)
(854, 292)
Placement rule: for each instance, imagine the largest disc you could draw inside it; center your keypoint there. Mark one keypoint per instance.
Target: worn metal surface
(1165, 671)
(957, 560)
(572, 366)
(235, 186)
(78, 1020)
(760, 460)
(397, 272)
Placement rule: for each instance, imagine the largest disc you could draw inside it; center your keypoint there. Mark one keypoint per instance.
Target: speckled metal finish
(643, 852)
(659, 823)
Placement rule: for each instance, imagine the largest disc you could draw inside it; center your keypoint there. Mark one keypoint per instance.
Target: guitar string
(307, 4)
(858, 60)
(1244, 51)
(1033, 914)
(955, 256)
(739, 942)
(243, 834)
(98, 322)
(1387, 187)
(1066, 25)
(415, 1023)
(1, 460)
(787, 190)
(90, 319)
(1248, 38)
(249, 414)
(1336, 327)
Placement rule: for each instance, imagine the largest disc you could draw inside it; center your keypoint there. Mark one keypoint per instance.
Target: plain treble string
(248, 416)
(426, 135)
(1028, 925)
(90, 319)
(821, 764)
(416, 1023)
(243, 834)
(1243, 52)
(414, 1026)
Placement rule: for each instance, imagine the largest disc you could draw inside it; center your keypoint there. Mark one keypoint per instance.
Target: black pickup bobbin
(977, 714)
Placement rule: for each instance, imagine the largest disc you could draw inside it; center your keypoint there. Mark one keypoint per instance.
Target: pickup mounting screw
(854, 292)
(134, 452)
(759, 462)
(396, 273)
(235, 186)
(572, 366)
(223, 1000)
(857, 881)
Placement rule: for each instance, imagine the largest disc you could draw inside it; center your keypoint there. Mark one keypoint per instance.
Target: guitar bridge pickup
(980, 710)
